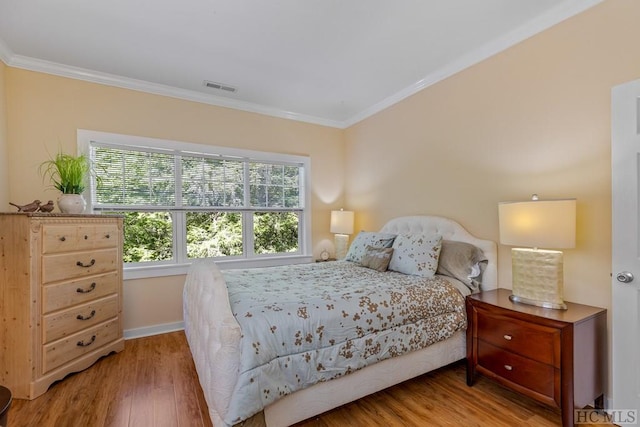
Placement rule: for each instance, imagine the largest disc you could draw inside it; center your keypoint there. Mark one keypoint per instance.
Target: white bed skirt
(324, 396)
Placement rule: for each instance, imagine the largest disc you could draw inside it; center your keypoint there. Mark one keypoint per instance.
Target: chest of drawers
(553, 356)
(60, 296)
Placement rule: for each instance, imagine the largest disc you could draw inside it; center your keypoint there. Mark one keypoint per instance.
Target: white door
(625, 175)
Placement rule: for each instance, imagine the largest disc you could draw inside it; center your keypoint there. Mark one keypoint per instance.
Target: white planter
(71, 203)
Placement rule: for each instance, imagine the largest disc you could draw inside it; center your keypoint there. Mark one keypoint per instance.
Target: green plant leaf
(66, 172)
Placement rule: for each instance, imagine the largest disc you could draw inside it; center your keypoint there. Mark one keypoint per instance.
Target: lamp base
(341, 242)
(537, 278)
(543, 304)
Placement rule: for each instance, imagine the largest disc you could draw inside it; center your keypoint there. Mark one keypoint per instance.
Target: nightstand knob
(507, 337)
(508, 367)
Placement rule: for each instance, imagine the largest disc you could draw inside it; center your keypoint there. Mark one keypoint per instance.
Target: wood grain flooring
(153, 383)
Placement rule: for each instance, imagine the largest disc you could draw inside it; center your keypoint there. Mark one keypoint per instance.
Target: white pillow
(416, 254)
(368, 238)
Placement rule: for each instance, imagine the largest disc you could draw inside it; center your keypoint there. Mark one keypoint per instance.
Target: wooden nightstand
(554, 356)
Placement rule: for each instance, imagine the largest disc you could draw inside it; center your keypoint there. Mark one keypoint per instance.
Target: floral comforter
(302, 324)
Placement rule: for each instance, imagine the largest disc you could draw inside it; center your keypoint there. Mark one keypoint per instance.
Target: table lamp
(537, 274)
(341, 226)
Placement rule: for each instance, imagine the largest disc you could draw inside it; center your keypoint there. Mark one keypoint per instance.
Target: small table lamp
(537, 274)
(342, 226)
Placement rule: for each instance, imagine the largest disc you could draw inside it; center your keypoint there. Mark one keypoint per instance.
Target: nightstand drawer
(536, 342)
(533, 375)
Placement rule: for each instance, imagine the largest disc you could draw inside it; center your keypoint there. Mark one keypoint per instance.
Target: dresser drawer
(66, 294)
(65, 238)
(78, 264)
(65, 350)
(536, 342)
(67, 322)
(523, 371)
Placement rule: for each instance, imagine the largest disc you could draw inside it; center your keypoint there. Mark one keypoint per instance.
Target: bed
(218, 305)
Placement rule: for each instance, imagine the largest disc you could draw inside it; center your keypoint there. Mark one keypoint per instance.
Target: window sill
(182, 269)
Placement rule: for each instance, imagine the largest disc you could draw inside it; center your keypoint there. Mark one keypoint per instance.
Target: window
(183, 201)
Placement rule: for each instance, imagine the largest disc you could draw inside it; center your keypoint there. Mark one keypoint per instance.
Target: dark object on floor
(5, 403)
(30, 207)
(46, 208)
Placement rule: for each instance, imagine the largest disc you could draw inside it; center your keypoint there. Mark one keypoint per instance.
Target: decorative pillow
(367, 238)
(376, 258)
(462, 261)
(416, 254)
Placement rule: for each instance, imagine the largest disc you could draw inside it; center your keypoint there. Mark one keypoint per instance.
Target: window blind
(141, 177)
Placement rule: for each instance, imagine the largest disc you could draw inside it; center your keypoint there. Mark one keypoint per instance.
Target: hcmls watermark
(610, 416)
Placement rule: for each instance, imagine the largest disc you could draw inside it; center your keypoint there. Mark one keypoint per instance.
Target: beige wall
(44, 113)
(4, 154)
(532, 119)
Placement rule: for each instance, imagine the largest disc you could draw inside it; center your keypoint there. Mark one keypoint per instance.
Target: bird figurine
(46, 208)
(29, 207)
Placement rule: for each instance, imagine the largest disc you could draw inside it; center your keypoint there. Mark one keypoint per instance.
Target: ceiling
(331, 62)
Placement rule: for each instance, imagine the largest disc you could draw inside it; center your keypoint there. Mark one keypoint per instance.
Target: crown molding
(545, 21)
(5, 52)
(556, 15)
(47, 67)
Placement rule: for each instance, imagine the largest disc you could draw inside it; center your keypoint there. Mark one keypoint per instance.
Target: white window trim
(84, 138)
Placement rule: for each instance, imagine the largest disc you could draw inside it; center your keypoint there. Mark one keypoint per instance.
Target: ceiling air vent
(220, 86)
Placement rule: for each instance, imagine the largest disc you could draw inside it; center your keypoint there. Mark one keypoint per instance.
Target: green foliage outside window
(213, 234)
(147, 236)
(275, 232)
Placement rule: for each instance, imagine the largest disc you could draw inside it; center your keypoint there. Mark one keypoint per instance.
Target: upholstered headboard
(449, 230)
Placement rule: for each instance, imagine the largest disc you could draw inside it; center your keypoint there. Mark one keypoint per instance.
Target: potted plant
(68, 174)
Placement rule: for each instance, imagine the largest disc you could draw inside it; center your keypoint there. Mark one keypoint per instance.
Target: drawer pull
(107, 236)
(86, 237)
(86, 291)
(86, 344)
(80, 264)
(62, 239)
(81, 317)
(508, 367)
(507, 337)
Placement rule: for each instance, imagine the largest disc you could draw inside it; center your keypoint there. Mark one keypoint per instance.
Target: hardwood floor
(153, 383)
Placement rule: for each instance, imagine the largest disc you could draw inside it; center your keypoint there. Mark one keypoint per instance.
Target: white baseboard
(148, 331)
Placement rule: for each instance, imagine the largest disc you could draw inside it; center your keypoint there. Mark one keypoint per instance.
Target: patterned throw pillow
(416, 254)
(367, 238)
(376, 258)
